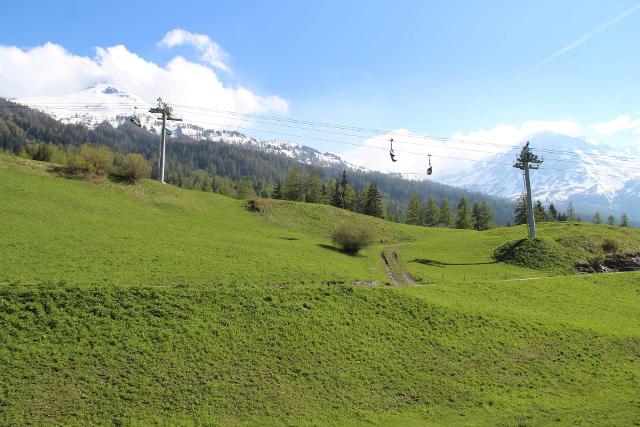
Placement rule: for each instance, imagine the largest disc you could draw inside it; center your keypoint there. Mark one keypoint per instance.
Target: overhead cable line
(252, 117)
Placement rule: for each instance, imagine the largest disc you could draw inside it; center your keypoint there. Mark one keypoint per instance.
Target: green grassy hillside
(145, 304)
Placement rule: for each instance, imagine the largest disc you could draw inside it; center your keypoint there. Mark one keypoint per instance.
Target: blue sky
(441, 68)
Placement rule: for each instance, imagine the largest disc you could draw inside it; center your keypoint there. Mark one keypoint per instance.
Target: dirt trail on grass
(405, 277)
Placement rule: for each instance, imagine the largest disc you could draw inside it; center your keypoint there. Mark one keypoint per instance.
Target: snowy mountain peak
(593, 176)
(106, 102)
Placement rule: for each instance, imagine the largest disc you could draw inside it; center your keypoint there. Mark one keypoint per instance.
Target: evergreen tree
(571, 213)
(344, 179)
(624, 220)
(431, 212)
(324, 194)
(374, 202)
(313, 187)
(361, 200)
(245, 190)
(553, 213)
(482, 215)
(539, 212)
(414, 211)
(337, 197)
(277, 192)
(463, 214)
(520, 216)
(293, 189)
(611, 220)
(350, 198)
(446, 216)
(597, 219)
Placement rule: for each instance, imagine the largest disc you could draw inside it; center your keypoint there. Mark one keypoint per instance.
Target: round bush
(133, 167)
(352, 238)
(610, 246)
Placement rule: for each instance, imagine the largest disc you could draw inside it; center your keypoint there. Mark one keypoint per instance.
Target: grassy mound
(538, 254)
(322, 220)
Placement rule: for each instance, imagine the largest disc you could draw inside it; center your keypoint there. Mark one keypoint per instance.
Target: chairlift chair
(391, 153)
(135, 119)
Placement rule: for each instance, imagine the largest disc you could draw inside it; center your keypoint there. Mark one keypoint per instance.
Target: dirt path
(387, 267)
(405, 278)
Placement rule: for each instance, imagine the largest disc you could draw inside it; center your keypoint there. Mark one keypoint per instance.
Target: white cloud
(450, 157)
(618, 124)
(50, 70)
(209, 50)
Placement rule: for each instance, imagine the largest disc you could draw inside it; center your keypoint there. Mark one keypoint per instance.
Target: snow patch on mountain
(103, 102)
(592, 175)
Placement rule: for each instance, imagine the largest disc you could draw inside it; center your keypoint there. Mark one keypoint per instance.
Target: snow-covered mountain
(104, 102)
(593, 176)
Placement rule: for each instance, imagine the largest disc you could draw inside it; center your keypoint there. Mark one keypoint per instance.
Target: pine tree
(277, 192)
(597, 219)
(482, 215)
(361, 200)
(520, 216)
(414, 211)
(324, 194)
(313, 187)
(374, 202)
(570, 213)
(553, 213)
(293, 185)
(611, 220)
(624, 220)
(349, 198)
(245, 191)
(344, 179)
(463, 214)
(539, 212)
(431, 212)
(337, 198)
(446, 216)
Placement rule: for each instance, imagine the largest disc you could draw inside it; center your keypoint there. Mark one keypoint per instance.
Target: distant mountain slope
(592, 176)
(102, 102)
(229, 154)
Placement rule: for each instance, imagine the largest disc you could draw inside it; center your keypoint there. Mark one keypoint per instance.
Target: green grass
(302, 355)
(60, 230)
(147, 304)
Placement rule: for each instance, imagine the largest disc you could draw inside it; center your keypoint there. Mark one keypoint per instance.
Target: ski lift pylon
(430, 168)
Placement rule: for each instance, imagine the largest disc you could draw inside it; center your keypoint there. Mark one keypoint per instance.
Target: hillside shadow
(434, 263)
(329, 247)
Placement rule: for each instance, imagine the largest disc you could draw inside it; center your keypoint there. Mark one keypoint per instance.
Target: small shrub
(43, 153)
(352, 238)
(596, 260)
(610, 246)
(133, 167)
(90, 160)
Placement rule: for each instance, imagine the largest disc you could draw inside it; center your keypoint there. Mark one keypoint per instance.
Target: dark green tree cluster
(336, 192)
(550, 214)
(430, 214)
